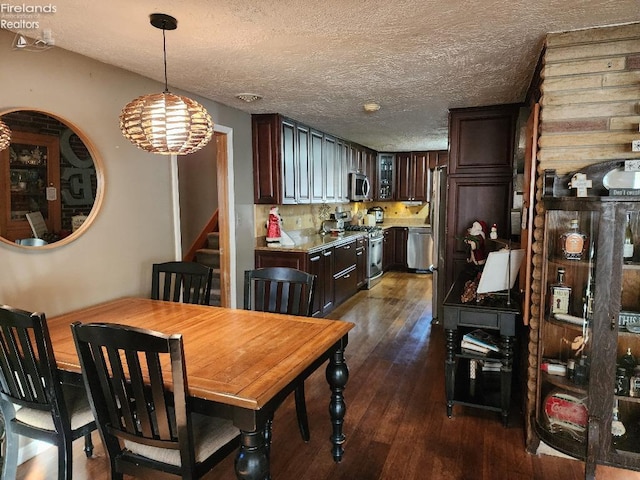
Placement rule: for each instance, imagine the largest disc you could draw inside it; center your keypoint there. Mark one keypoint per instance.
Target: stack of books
(479, 341)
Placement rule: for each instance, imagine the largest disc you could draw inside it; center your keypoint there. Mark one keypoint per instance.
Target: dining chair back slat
(187, 282)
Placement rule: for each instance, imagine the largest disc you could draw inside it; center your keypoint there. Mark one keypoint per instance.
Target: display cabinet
(30, 178)
(588, 386)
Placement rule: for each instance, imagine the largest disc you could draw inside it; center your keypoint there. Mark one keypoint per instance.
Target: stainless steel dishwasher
(420, 248)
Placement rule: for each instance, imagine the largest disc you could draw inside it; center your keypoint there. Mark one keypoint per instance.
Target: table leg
(450, 369)
(505, 377)
(252, 462)
(337, 375)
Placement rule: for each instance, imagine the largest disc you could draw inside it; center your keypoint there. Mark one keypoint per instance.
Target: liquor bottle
(573, 242)
(618, 430)
(560, 296)
(587, 298)
(627, 251)
(628, 362)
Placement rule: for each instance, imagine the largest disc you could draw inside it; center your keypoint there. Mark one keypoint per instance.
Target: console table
(486, 390)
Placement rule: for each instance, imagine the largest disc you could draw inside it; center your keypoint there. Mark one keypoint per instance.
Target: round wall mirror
(53, 181)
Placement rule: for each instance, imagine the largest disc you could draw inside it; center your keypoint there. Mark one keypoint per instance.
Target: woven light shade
(166, 123)
(5, 135)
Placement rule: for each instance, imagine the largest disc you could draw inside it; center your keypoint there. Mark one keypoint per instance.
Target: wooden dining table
(240, 364)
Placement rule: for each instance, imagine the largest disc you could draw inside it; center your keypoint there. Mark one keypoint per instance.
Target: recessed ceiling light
(248, 97)
(371, 107)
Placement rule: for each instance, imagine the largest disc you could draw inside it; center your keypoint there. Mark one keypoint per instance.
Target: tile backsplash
(302, 217)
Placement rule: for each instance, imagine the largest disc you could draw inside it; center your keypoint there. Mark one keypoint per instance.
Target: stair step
(209, 257)
(213, 240)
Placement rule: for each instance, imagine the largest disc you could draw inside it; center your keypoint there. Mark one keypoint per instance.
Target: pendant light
(165, 123)
(5, 135)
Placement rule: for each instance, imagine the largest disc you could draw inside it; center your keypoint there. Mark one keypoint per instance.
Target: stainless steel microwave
(359, 187)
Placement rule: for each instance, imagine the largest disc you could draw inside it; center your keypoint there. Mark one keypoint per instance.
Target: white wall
(134, 227)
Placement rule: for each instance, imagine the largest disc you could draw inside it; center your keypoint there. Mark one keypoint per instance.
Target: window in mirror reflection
(47, 169)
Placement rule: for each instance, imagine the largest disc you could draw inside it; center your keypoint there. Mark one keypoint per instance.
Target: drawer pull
(314, 259)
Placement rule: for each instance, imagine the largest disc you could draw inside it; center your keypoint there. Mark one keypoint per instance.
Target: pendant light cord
(164, 51)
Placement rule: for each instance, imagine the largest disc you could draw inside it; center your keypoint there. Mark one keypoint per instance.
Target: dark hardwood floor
(396, 422)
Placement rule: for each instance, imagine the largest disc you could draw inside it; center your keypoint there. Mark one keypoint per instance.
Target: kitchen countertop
(309, 242)
(403, 222)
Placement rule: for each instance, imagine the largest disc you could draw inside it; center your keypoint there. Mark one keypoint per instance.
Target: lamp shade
(166, 123)
(5, 135)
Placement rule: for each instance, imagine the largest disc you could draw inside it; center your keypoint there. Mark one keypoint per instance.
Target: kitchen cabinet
(296, 164)
(586, 326)
(479, 177)
(388, 248)
(30, 179)
(385, 185)
(411, 176)
(320, 264)
(482, 139)
(345, 277)
(394, 248)
(402, 235)
(340, 268)
(266, 134)
(362, 256)
(318, 167)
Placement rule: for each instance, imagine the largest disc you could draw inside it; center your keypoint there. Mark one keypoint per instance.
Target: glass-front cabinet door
(566, 328)
(588, 384)
(30, 177)
(625, 423)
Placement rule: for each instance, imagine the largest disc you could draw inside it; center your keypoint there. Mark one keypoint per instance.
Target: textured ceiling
(319, 62)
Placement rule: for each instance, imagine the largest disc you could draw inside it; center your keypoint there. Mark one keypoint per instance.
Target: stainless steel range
(374, 266)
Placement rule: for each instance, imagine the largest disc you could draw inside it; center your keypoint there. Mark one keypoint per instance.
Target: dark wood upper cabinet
(482, 139)
(481, 149)
(267, 174)
(295, 164)
(412, 170)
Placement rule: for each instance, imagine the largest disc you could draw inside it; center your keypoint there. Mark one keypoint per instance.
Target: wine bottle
(560, 295)
(627, 251)
(573, 242)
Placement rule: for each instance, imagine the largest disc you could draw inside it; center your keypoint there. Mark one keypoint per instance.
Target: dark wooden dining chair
(50, 411)
(282, 290)
(187, 282)
(143, 424)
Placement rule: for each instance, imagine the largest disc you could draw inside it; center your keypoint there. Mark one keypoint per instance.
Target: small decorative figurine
(273, 225)
(494, 232)
(475, 238)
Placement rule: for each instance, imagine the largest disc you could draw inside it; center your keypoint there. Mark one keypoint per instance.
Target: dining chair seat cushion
(209, 434)
(77, 404)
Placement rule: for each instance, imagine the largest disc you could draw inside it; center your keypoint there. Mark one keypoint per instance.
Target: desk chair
(282, 290)
(143, 425)
(188, 282)
(50, 411)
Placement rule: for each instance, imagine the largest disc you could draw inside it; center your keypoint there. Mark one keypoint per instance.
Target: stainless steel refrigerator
(437, 215)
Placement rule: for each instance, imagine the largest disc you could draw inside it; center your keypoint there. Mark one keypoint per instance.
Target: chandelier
(5, 135)
(166, 123)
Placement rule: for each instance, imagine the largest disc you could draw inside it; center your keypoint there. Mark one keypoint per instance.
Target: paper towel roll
(370, 220)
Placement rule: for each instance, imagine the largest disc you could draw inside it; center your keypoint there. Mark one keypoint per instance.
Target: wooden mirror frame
(99, 172)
